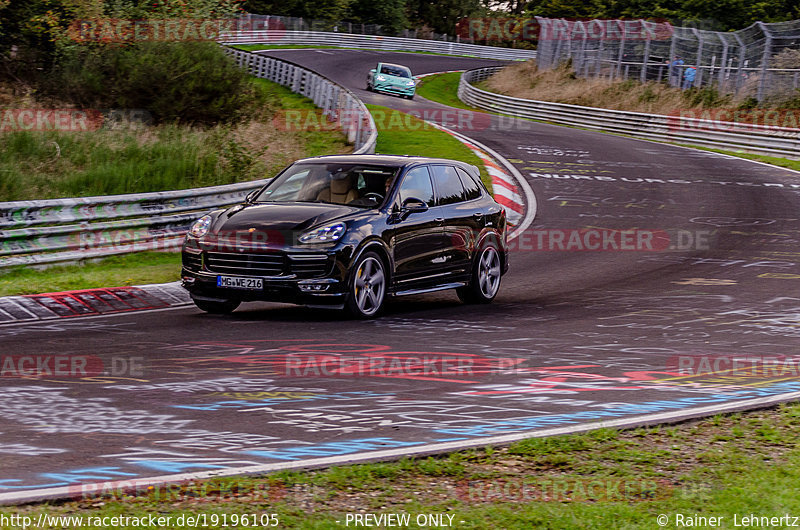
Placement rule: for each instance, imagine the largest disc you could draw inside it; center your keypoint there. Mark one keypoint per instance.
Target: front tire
(217, 308)
(486, 274)
(366, 287)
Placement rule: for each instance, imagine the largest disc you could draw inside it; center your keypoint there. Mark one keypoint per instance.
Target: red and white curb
(511, 190)
(91, 302)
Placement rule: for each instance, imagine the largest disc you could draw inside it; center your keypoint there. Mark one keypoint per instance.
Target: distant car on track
(346, 232)
(392, 79)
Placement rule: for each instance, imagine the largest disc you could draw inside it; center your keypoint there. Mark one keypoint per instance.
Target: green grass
(443, 88)
(596, 480)
(403, 134)
(49, 164)
(130, 269)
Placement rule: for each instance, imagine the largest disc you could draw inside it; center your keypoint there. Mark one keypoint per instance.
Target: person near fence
(689, 75)
(675, 70)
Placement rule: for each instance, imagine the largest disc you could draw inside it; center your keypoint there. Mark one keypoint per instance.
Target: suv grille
(192, 262)
(246, 264)
(311, 266)
(270, 264)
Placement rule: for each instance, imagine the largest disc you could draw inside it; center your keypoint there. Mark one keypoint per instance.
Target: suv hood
(296, 216)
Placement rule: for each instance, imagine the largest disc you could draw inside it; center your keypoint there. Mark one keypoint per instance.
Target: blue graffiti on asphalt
(334, 448)
(532, 422)
(70, 477)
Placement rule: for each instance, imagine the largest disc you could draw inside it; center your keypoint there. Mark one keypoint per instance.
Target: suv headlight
(410, 82)
(200, 227)
(380, 78)
(324, 234)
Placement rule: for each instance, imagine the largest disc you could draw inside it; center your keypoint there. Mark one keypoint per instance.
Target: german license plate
(234, 282)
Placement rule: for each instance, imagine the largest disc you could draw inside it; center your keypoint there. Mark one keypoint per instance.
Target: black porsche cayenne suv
(348, 231)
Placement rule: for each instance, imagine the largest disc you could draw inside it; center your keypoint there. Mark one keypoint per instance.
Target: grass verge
(716, 467)
(403, 134)
(443, 88)
(134, 159)
(128, 269)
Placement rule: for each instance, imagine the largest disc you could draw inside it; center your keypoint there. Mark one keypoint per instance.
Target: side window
(471, 188)
(448, 186)
(417, 183)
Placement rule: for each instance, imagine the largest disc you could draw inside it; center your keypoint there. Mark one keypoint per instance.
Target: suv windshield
(351, 184)
(397, 71)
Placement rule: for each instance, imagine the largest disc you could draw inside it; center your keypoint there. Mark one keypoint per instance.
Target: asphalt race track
(697, 312)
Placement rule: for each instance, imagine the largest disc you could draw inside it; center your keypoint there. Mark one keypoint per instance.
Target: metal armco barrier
(62, 230)
(66, 230)
(375, 42)
(759, 139)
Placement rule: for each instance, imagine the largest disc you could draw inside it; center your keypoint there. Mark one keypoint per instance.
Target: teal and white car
(392, 79)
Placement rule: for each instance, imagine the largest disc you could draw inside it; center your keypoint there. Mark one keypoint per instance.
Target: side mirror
(414, 205)
(373, 71)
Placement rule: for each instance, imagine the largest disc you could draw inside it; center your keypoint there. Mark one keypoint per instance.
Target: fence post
(672, 54)
(698, 58)
(646, 59)
(622, 25)
(764, 60)
(722, 63)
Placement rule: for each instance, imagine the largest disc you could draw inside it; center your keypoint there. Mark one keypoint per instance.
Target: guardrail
(65, 230)
(759, 139)
(375, 42)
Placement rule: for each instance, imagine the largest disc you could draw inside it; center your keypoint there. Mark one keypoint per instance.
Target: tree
(442, 15)
(390, 14)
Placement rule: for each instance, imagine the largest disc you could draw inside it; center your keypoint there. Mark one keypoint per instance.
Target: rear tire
(366, 288)
(217, 308)
(486, 275)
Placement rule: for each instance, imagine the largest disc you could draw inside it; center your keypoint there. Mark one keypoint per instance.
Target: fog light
(313, 288)
(316, 286)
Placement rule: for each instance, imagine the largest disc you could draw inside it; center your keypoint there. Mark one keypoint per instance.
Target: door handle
(477, 215)
(439, 220)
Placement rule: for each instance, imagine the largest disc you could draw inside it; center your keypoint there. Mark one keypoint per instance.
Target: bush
(188, 82)
(706, 97)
